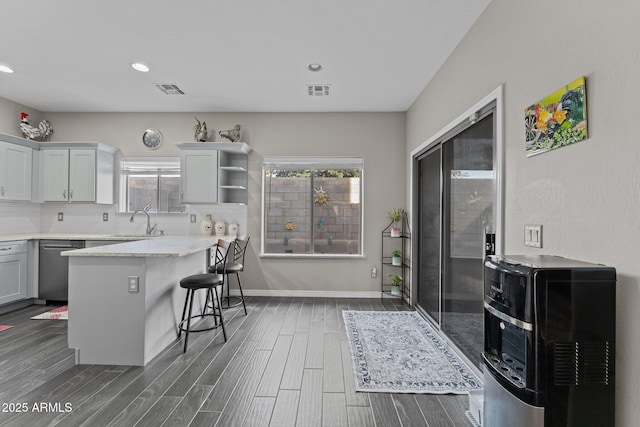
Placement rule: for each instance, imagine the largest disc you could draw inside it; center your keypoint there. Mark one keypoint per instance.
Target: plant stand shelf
(402, 243)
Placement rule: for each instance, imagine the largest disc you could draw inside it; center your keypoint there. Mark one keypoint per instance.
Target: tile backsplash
(87, 218)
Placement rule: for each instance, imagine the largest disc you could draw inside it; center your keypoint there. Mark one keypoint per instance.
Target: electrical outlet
(133, 283)
(533, 235)
(105, 217)
(193, 218)
(374, 273)
(60, 216)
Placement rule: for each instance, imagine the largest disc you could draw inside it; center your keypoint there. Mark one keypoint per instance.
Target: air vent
(319, 90)
(169, 89)
(581, 363)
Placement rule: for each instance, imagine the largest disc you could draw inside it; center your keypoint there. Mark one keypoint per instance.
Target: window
(150, 181)
(312, 206)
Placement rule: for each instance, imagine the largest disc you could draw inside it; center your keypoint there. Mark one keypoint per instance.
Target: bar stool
(234, 266)
(210, 282)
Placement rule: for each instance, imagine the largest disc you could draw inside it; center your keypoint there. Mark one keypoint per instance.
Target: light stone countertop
(164, 246)
(134, 245)
(73, 236)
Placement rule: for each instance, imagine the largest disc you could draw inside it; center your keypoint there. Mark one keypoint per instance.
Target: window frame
(312, 163)
(158, 166)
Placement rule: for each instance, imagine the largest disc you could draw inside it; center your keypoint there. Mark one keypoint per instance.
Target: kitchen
(585, 195)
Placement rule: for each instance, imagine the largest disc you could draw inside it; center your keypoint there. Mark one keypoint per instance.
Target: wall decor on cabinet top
(557, 120)
(43, 132)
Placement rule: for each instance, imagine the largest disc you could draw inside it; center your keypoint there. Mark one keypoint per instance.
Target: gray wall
(378, 137)
(587, 195)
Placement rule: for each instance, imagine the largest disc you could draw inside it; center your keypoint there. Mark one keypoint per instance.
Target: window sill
(313, 256)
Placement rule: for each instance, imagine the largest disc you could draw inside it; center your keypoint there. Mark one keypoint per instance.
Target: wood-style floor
(285, 364)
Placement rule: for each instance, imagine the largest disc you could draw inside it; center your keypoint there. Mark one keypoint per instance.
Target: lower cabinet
(13, 271)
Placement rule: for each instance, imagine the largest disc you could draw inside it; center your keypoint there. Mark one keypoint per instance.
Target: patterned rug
(5, 327)
(399, 352)
(60, 313)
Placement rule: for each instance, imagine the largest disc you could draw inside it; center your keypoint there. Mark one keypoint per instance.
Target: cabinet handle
(71, 194)
(2, 191)
(64, 194)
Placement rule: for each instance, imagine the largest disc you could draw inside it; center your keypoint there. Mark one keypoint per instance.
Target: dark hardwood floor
(286, 363)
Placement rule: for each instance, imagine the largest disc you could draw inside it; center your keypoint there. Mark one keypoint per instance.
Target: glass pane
(429, 234)
(469, 195)
(336, 211)
(287, 211)
(170, 194)
(142, 191)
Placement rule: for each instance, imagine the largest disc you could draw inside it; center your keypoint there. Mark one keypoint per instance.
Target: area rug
(399, 352)
(5, 327)
(60, 313)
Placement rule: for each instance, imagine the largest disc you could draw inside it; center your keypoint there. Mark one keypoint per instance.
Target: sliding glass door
(429, 225)
(456, 210)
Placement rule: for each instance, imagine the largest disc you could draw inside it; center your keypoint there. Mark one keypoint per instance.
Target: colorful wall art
(557, 120)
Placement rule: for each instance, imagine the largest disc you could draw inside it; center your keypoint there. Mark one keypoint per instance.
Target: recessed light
(314, 67)
(140, 67)
(5, 69)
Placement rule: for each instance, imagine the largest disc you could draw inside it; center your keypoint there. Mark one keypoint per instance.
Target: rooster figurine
(200, 131)
(42, 132)
(232, 135)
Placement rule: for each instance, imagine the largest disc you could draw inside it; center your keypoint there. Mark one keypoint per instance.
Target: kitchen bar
(124, 299)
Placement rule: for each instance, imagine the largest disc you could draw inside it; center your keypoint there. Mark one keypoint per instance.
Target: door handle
(64, 194)
(71, 194)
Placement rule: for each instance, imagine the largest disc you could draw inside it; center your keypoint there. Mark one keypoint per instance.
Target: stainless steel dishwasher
(53, 272)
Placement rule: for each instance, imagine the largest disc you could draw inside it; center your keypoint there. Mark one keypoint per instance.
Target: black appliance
(549, 342)
(53, 272)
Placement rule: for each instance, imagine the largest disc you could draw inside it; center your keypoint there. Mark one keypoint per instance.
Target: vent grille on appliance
(319, 90)
(581, 363)
(169, 89)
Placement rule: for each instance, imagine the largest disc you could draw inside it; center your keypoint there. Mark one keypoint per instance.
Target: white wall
(587, 196)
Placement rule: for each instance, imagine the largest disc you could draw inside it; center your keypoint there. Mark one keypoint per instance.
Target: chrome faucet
(145, 211)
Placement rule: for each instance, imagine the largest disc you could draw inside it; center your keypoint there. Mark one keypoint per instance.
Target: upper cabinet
(199, 176)
(214, 172)
(16, 166)
(78, 172)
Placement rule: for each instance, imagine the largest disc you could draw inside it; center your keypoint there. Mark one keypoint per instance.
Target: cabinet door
(199, 176)
(15, 164)
(55, 175)
(13, 278)
(82, 175)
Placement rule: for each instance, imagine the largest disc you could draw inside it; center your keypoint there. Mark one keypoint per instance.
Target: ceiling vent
(318, 90)
(169, 89)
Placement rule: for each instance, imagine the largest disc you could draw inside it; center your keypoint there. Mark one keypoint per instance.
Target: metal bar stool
(210, 282)
(234, 266)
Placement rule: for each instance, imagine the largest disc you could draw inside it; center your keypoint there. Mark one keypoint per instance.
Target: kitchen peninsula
(125, 302)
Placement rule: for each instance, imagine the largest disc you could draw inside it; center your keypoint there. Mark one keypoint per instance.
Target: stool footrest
(215, 316)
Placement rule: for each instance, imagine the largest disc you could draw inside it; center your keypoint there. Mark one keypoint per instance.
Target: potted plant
(395, 215)
(396, 257)
(395, 286)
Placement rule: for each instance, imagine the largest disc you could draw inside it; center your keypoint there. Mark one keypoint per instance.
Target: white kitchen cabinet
(78, 173)
(214, 172)
(15, 171)
(199, 176)
(13, 271)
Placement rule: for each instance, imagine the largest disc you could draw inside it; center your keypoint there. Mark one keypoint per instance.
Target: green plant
(397, 279)
(395, 215)
(397, 253)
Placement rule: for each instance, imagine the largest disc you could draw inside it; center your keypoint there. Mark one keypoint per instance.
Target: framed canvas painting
(557, 120)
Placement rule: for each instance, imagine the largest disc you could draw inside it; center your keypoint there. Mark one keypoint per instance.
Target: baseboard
(308, 294)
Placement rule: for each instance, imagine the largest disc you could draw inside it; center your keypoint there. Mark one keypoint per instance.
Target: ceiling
(226, 55)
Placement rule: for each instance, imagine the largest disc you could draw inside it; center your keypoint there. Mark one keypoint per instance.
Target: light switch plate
(60, 216)
(533, 235)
